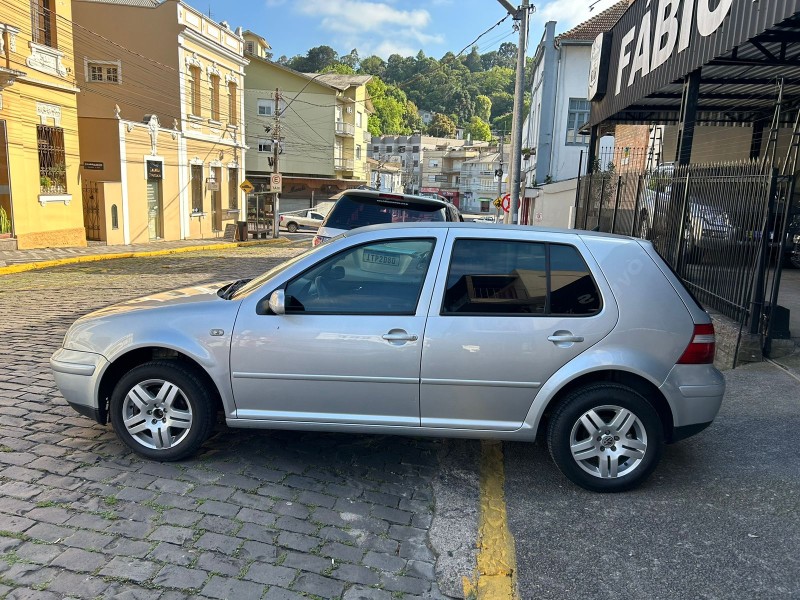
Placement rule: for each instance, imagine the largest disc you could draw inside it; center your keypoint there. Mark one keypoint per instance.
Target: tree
(372, 65)
(502, 103)
(502, 124)
(315, 60)
(473, 60)
(390, 107)
(483, 107)
(478, 129)
(442, 126)
(351, 60)
(340, 68)
(507, 55)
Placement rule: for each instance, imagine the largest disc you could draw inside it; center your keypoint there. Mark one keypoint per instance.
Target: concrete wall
(554, 205)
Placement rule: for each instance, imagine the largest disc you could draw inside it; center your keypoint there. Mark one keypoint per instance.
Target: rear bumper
(76, 375)
(694, 393)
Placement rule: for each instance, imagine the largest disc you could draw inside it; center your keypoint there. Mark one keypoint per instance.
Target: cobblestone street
(257, 514)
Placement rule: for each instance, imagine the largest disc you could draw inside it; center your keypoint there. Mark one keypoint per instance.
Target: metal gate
(91, 211)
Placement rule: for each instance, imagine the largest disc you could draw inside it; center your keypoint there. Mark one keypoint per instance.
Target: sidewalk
(14, 261)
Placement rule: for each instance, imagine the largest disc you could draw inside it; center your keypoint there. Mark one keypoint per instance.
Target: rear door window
(505, 277)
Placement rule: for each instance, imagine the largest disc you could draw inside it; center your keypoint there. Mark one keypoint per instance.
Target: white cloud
(374, 27)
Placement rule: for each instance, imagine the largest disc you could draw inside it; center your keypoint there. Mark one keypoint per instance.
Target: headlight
(796, 239)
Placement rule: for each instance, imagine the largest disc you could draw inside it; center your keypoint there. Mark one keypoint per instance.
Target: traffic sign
(506, 203)
(275, 183)
(246, 186)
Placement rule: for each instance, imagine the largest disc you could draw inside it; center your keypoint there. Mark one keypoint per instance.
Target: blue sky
(384, 27)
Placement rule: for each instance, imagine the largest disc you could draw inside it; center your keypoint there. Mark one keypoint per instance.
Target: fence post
(680, 251)
(588, 201)
(616, 204)
(578, 190)
(636, 205)
(757, 302)
(776, 278)
(602, 196)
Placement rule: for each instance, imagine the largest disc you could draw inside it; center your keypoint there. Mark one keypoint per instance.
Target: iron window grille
(52, 160)
(233, 189)
(197, 188)
(43, 22)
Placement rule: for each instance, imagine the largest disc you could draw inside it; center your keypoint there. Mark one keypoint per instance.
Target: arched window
(114, 217)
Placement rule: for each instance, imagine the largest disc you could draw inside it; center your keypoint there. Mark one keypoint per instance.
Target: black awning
(742, 59)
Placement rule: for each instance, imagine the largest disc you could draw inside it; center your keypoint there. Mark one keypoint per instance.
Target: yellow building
(40, 189)
(322, 126)
(160, 110)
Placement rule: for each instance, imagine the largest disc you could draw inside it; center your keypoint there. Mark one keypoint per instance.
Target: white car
(484, 219)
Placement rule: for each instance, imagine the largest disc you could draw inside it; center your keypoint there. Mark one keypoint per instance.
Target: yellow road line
(494, 577)
(44, 264)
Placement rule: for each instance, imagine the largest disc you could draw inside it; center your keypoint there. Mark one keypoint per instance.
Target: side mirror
(277, 302)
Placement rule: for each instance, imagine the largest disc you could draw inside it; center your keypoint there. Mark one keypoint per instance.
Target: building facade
(410, 151)
(552, 136)
(40, 187)
(317, 123)
(480, 182)
(161, 114)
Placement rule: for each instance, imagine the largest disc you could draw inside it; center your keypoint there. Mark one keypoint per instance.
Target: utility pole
(275, 141)
(514, 175)
(499, 173)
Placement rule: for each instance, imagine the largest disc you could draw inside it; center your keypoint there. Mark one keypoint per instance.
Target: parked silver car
(446, 329)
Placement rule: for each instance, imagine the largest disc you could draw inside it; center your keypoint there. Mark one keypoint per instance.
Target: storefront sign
(155, 169)
(598, 66)
(657, 37)
(93, 166)
(658, 42)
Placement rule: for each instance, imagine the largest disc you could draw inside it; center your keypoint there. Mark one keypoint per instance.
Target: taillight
(700, 350)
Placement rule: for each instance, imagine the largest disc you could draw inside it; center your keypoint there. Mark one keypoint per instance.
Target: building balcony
(343, 164)
(343, 128)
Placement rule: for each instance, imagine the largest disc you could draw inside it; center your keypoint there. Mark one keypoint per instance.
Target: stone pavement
(257, 514)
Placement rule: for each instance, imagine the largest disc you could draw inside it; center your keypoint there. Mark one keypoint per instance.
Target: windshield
(350, 212)
(256, 282)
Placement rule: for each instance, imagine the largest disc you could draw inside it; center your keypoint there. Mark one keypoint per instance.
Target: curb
(45, 264)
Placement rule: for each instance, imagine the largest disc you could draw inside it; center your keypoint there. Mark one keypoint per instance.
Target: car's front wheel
(292, 227)
(161, 410)
(605, 437)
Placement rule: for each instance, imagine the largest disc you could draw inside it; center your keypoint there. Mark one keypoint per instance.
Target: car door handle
(399, 337)
(560, 339)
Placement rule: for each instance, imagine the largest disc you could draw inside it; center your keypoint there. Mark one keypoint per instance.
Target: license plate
(380, 258)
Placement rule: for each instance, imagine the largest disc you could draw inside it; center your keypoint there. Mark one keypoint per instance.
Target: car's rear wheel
(161, 410)
(292, 227)
(605, 437)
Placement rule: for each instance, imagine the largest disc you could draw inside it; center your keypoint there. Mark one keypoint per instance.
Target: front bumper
(694, 393)
(77, 376)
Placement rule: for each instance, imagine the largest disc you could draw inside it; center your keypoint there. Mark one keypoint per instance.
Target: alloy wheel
(157, 414)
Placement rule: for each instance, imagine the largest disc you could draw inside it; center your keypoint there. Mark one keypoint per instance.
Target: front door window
(154, 209)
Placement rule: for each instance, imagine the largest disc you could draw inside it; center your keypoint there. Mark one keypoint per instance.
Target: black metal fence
(720, 227)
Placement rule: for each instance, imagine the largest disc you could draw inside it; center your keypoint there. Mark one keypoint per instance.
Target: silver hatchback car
(446, 329)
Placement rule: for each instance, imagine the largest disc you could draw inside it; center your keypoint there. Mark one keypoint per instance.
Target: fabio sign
(648, 44)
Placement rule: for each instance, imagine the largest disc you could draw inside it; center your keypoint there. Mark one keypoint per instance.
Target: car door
(348, 348)
(509, 309)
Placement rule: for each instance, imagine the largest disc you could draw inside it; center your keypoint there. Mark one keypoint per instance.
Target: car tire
(605, 437)
(181, 413)
(291, 227)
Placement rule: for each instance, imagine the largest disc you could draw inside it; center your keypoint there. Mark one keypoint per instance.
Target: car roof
(387, 195)
(486, 227)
